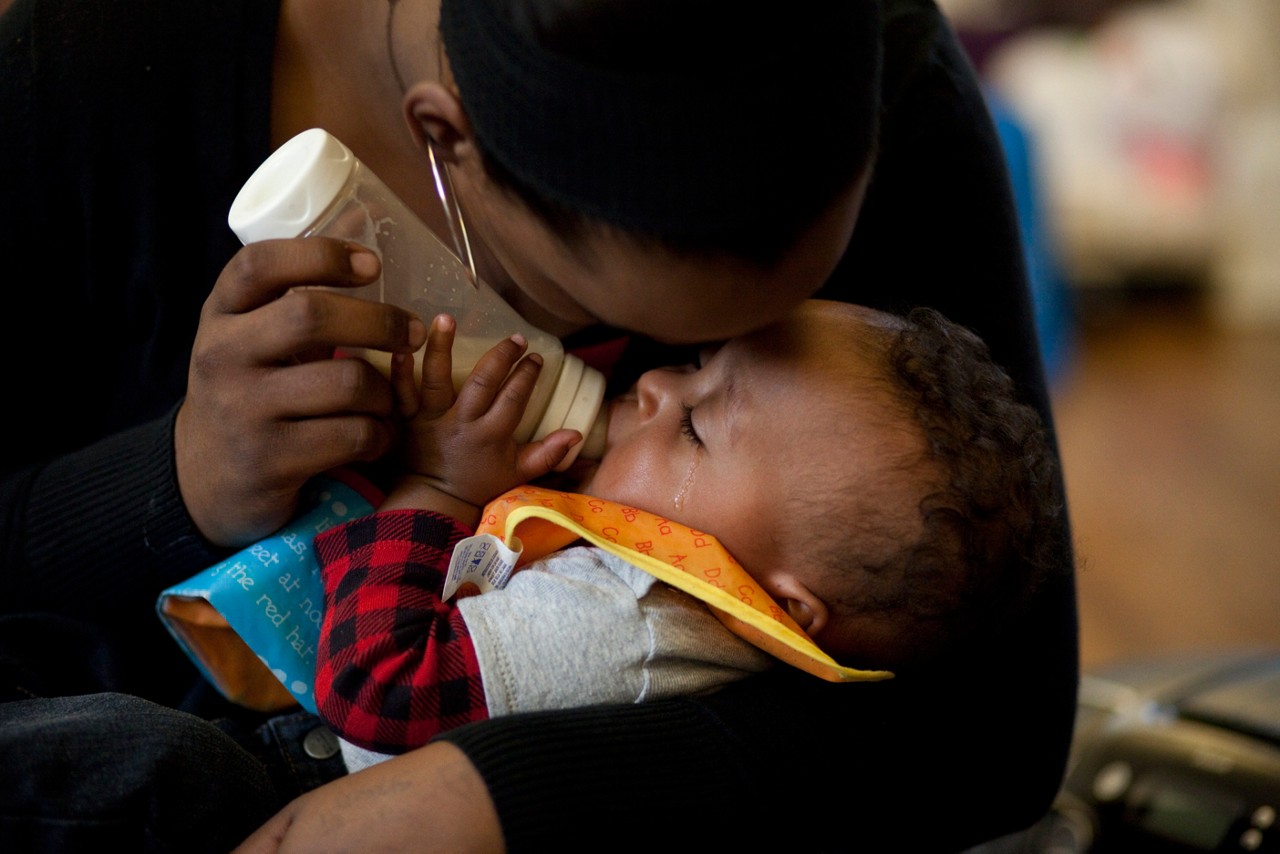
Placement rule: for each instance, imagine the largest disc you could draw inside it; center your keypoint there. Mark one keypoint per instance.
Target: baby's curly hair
(987, 536)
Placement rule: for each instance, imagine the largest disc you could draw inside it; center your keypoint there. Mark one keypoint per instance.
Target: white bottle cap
(292, 187)
(576, 404)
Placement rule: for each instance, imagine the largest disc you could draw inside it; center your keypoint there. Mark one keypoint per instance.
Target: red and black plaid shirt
(395, 665)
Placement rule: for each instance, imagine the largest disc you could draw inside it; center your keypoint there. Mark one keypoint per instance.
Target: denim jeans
(84, 767)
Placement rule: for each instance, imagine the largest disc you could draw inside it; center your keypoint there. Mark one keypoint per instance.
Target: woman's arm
(429, 800)
(118, 240)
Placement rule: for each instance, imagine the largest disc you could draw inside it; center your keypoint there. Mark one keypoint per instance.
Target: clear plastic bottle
(315, 185)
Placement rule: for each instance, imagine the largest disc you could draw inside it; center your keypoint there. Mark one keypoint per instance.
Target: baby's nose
(656, 385)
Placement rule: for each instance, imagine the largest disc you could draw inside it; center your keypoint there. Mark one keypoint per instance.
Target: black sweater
(127, 127)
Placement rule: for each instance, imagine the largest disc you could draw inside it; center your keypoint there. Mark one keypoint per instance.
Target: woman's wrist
(414, 492)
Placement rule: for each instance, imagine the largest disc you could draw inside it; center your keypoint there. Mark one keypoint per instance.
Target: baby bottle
(315, 185)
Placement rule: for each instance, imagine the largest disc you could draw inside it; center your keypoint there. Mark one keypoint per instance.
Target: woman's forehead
(684, 301)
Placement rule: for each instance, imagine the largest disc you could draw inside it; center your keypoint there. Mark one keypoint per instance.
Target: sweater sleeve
(395, 664)
(102, 529)
(118, 241)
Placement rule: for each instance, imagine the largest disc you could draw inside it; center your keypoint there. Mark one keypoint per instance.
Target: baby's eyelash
(686, 425)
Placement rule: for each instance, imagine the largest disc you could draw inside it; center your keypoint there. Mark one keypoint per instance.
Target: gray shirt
(584, 627)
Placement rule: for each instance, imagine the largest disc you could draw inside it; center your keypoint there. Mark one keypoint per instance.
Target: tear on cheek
(688, 479)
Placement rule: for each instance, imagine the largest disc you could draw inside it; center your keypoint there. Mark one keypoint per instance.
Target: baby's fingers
(493, 385)
(404, 385)
(437, 367)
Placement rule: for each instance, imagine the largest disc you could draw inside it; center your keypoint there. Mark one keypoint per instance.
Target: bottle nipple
(593, 443)
(576, 404)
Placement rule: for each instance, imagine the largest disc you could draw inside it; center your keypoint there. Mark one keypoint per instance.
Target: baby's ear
(800, 612)
(801, 604)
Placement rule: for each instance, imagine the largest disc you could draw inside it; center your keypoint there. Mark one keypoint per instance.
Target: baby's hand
(460, 450)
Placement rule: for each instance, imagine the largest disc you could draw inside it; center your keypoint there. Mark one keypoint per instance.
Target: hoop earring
(452, 212)
(444, 183)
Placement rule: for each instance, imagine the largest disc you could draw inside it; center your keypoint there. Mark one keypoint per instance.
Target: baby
(874, 474)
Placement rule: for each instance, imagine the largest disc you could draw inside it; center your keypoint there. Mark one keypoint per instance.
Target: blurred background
(1144, 141)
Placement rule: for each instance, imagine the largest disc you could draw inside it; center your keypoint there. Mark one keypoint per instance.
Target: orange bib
(696, 563)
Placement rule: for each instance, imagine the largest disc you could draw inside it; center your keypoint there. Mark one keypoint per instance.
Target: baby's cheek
(600, 482)
(619, 480)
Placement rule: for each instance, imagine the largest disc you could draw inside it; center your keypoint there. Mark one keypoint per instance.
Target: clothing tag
(480, 564)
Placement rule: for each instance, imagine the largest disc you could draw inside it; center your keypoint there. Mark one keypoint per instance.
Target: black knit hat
(719, 120)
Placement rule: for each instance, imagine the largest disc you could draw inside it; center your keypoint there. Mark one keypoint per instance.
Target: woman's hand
(266, 408)
(460, 450)
(429, 800)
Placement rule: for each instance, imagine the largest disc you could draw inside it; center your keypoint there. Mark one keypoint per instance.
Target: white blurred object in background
(1123, 116)
(1246, 269)
(1159, 139)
